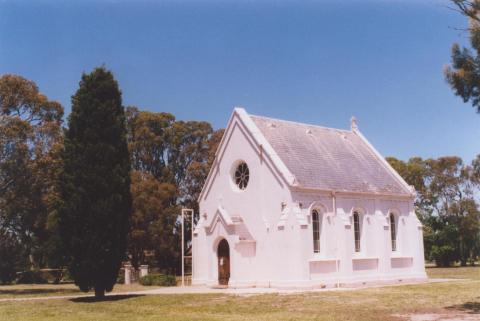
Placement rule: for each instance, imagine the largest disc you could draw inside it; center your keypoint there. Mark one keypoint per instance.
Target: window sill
(323, 259)
(364, 258)
(399, 256)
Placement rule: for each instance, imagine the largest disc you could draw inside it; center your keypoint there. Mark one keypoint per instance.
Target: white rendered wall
(376, 261)
(259, 210)
(282, 255)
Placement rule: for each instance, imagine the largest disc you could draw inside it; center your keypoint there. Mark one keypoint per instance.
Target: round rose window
(241, 175)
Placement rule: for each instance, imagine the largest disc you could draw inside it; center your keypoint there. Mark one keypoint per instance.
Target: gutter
(298, 188)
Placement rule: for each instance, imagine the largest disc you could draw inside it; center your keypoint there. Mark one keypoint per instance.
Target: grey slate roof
(327, 158)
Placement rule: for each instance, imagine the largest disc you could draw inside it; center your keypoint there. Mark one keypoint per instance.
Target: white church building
(296, 205)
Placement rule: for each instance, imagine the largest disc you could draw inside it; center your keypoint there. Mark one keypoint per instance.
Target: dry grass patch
(392, 303)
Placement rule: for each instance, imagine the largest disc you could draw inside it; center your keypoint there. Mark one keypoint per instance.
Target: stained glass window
(242, 176)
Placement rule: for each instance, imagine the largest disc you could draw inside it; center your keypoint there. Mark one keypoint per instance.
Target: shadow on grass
(452, 267)
(107, 298)
(468, 307)
(36, 291)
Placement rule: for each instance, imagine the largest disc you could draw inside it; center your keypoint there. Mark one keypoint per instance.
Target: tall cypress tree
(95, 187)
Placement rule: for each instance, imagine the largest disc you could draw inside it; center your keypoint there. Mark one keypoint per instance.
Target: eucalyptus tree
(30, 145)
(170, 162)
(447, 204)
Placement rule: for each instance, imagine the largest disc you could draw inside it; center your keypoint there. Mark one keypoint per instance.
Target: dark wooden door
(223, 254)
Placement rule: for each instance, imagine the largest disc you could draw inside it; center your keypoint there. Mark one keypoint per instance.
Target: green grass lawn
(372, 304)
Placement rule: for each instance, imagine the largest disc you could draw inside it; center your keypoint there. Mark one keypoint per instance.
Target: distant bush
(12, 257)
(31, 277)
(158, 279)
(66, 277)
(121, 278)
(443, 255)
(54, 276)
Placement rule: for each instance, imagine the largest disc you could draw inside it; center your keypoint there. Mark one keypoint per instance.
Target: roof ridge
(299, 123)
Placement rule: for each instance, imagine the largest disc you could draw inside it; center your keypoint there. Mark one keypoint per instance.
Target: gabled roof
(330, 159)
(316, 158)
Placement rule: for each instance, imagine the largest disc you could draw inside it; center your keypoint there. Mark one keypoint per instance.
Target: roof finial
(353, 123)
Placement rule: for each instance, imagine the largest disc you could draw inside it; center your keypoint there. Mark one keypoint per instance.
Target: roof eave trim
(215, 160)
(353, 193)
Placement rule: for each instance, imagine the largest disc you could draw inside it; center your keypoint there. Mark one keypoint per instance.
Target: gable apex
(265, 145)
(241, 118)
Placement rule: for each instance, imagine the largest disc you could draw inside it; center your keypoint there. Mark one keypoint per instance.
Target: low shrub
(31, 277)
(12, 257)
(443, 255)
(158, 279)
(54, 276)
(66, 277)
(121, 278)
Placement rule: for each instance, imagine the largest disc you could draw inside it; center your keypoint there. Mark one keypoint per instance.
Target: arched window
(393, 232)
(316, 231)
(356, 230)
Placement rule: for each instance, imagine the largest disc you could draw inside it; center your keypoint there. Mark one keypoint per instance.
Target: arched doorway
(223, 255)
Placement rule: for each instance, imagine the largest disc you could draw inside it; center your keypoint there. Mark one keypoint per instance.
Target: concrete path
(230, 291)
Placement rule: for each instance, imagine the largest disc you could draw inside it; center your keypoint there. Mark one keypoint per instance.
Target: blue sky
(317, 62)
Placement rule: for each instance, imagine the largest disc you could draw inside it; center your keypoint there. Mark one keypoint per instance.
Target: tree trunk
(31, 261)
(99, 293)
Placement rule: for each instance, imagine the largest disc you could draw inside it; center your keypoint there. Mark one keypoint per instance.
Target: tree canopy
(464, 73)
(170, 162)
(447, 204)
(51, 184)
(30, 144)
(110, 187)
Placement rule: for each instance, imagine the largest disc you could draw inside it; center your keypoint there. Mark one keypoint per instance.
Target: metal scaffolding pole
(185, 212)
(183, 251)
